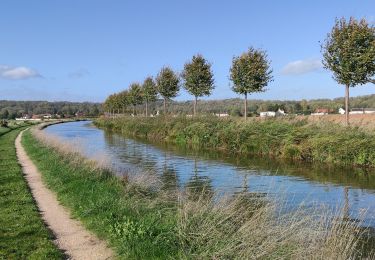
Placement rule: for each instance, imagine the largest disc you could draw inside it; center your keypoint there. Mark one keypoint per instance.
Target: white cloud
(79, 74)
(15, 73)
(299, 67)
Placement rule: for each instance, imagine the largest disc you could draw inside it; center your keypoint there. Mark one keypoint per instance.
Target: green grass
(279, 138)
(23, 234)
(134, 226)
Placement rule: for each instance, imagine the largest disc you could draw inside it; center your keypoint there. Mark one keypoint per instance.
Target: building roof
(322, 110)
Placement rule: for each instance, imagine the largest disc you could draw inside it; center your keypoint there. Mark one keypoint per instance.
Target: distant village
(278, 113)
(322, 112)
(42, 117)
(317, 112)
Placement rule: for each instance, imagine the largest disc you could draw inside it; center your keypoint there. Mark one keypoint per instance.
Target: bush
(4, 123)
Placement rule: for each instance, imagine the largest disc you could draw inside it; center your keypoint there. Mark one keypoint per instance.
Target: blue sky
(85, 50)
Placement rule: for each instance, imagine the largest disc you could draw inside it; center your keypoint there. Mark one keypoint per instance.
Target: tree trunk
(245, 115)
(146, 108)
(347, 105)
(133, 110)
(195, 106)
(165, 106)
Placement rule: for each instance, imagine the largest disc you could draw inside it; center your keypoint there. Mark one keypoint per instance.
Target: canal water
(292, 183)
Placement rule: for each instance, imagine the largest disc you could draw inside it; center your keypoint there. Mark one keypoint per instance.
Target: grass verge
(23, 234)
(142, 220)
(281, 138)
(134, 224)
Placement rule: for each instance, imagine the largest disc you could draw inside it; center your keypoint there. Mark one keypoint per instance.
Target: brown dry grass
(243, 228)
(365, 122)
(362, 121)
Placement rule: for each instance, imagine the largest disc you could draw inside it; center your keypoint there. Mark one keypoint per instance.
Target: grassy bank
(132, 223)
(143, 218)
(22, 231)
(281, 138)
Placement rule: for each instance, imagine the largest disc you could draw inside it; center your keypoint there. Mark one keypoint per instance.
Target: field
(365, 122)
(23, 233)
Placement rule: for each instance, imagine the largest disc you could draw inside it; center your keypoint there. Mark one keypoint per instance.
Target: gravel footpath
(71, 236)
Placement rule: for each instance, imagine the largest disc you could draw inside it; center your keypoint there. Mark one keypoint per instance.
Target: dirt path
(71, 236)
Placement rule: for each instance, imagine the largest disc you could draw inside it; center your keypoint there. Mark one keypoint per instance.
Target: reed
(287, 138)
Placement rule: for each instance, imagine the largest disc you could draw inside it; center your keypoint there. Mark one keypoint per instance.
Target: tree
(110, 104)
(349, 52)
(167, 83)
(124, 100)
(117, 102)
(107, 104)
(149, 91)
(198, 78)
(250, 73)
(135, 95)
(5, 114)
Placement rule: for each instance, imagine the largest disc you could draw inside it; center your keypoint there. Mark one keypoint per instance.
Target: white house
(222, 114)
(279, 112)
(369, 110)
(267, 114)
(358, 111)
(342, 111)
(47, 116)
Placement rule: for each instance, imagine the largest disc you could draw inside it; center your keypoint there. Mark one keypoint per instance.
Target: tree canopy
(168, 84)
(349, 52)
(135, 94)
(250, 72)
(198, 78)
(149, 89)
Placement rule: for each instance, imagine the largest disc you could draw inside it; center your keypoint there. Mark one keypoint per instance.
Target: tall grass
(141, 219)
(281, 138)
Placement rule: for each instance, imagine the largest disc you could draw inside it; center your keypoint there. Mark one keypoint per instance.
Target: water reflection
(205, 171)
(198, 185)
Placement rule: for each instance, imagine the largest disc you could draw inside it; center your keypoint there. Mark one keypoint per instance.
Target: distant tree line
(13, 109)
(348, 51)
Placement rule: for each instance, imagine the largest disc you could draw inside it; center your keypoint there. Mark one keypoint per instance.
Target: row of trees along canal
(348, 51)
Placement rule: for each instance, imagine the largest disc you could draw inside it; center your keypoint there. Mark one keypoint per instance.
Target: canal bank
(130, 215)
(293, 183)
(286, 138)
